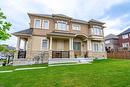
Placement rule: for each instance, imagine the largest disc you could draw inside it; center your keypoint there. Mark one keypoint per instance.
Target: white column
(89, 45)
(25, 45)
(70, 43)
(18, 43)
(50, 43)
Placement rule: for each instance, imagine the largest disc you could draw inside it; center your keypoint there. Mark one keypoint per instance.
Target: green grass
(101, 73)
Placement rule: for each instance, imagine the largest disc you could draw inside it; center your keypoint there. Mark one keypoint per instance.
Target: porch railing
(60, 54)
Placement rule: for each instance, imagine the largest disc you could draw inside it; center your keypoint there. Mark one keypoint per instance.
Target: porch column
(89, 45)
(17, 47)
(50, 48)
(89, 48)
(71, 48)
(25, 45)
(50, 43)
(70, 43)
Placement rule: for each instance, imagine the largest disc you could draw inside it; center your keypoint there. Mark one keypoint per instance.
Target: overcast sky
(115, 13)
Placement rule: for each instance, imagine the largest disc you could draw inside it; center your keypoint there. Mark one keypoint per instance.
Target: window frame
(73, 25)
(35, 23)
(97, 30)
(61, 28)
(125, 45)
(42, 43)
(77, 47)
(124, 36)
(43, 24)
(99, 47)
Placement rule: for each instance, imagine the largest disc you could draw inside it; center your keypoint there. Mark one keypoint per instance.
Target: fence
(119, 54)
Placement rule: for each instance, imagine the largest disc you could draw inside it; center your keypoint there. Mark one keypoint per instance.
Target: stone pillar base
(72, 54)
(50, 54)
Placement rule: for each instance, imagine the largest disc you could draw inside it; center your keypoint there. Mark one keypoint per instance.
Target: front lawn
(103, 73)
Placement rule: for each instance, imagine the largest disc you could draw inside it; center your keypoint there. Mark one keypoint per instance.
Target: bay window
(96, 30)
(97, 47)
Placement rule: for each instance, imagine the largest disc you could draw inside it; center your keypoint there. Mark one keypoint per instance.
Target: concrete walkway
(19, 69)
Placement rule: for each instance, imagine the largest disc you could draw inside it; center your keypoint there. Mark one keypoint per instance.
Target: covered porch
(67, 45)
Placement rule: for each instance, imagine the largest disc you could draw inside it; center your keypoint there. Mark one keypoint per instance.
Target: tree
(4, 27)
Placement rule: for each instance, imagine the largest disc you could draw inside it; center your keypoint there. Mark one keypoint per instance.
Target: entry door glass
(77, 46)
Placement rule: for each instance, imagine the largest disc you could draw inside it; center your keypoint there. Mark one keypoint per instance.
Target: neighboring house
(111, 41)
(124, 39)
(60, 36)
(4, 55)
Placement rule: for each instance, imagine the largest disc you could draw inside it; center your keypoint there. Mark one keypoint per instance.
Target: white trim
(125, 44)
(56, 26)
(125, 36)
(35, 21)
(44, 38)
(43, 24)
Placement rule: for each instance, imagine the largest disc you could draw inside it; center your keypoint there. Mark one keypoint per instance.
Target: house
(111, 41)
(124, 39)
(61, 36)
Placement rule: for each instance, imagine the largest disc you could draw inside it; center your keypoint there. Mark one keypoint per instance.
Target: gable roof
(26, 32)
(125, 32)
(111, 36)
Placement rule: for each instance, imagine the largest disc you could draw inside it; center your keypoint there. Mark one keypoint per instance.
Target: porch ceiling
(63, 34)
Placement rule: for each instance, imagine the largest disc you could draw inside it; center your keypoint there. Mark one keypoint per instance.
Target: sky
(115, 13)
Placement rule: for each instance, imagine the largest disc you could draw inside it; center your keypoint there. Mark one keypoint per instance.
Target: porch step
(69, 60)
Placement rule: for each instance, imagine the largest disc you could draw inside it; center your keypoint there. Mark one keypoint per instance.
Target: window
(107, 41)
(77, 46)
(46, 24)
(97, 47)
(37, 23)
(44, 44)
(125, 36)
(76, 27)
(125, 44)
(62, 25)
(96, 30)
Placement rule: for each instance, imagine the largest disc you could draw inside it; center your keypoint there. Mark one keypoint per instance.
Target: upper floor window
(46, 24)
(61, 25)
(125, 36)
(76, 27)
(125, 44)
(37, 23)
(107, 41)
(96, 30)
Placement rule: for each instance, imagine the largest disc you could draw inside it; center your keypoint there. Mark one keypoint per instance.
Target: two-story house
(124, 39)
(61, 36)
(111, 41)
